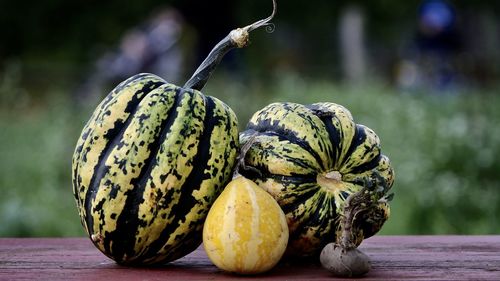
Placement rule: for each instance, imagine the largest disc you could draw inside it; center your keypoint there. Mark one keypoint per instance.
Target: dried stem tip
(240, 37)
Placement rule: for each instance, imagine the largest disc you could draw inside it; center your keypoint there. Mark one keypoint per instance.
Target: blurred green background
(423, 74)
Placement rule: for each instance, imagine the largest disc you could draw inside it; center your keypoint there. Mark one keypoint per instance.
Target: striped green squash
(310, 158)
(147, 167)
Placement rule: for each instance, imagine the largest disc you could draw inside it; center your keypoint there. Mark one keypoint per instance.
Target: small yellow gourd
(245, 231)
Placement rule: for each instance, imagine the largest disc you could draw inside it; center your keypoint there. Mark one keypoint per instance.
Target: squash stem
(366, 201)
(240, 163)
(237, 38)
(350, 209)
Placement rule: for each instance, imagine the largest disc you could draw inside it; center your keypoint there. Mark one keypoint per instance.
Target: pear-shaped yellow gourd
(245, 231)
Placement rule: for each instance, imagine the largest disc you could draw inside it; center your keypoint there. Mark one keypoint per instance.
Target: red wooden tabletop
(393, 258)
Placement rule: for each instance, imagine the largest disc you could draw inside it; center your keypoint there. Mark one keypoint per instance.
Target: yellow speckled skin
(147, 167)
(245, 231)
(310, 158)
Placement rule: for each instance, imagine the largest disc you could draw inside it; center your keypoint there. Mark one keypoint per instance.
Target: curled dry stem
(263, 22)
(237, 38)
(365, 200)
(240, 161)
(343, 258)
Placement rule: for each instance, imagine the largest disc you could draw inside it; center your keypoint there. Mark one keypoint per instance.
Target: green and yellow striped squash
(147, 167)
(310, 158)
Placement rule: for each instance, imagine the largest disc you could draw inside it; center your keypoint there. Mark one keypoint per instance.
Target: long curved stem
(366, 202)
(237, 38)
(346, 223)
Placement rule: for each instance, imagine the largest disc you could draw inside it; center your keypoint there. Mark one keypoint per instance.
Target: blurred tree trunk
(351, 30)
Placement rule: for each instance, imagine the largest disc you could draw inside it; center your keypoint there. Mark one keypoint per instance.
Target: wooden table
(393, 258)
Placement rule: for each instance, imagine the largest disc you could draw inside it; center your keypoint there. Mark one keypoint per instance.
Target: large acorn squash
(152, 159)
(310, 158)
(148, 166)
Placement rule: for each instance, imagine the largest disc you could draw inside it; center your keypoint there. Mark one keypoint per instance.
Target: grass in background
(444, 151)
(443, 148)
(36, 147)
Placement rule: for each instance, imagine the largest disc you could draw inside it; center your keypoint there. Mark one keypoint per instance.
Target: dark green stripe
(358, 139)
(114, 137)
(335, 137)
(274, 129)
(123, 237)
(134, 79)
(300, 192)
(297, 161)
(325, 223)
(366, 167)
(186, 202)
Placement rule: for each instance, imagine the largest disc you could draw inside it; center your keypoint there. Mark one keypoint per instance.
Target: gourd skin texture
(310, 158)
(245, 231)
(147, 167)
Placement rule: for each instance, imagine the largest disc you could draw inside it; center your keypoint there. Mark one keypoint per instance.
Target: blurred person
(153, 46)
(432, 63)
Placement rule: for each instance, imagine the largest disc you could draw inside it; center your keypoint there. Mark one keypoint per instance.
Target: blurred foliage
(443, 146)
(79, 30)
(36, 139)
(443, 149)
